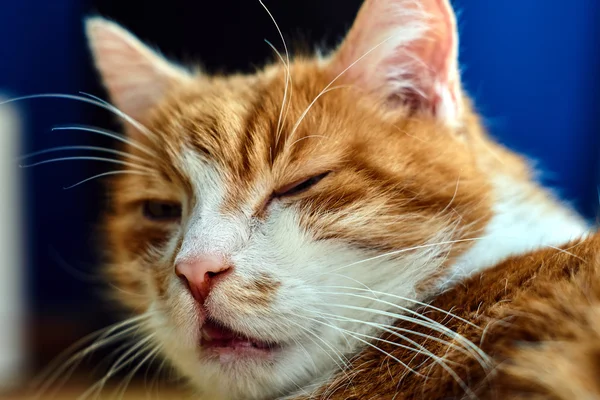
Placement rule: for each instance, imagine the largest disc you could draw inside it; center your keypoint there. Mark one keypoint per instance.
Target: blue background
(533, 67)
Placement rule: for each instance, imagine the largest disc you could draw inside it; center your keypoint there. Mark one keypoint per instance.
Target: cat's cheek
(161, 275)
(128, 285)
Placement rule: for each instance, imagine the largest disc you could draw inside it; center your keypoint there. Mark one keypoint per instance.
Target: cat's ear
(135, 76)
(405, 51)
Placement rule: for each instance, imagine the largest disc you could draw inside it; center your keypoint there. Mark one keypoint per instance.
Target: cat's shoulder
(527, 328)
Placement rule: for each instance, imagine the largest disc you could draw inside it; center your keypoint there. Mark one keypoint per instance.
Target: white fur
(311, 275)
(307, 272)
(207, 231)
(305, 315)
(525, 218)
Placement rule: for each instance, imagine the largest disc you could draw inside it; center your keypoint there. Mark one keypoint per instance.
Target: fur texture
(411, 183)
(535, 318)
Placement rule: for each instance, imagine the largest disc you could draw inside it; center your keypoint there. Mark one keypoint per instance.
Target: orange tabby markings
(367, 170)
(535, 315)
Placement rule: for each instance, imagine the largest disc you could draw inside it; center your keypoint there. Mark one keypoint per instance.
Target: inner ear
(405, 52)
(136, 77)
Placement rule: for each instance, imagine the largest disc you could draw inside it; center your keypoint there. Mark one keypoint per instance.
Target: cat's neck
(525, 218)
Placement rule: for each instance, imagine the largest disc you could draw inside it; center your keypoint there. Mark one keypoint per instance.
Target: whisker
(354, 335)
(427, 352)
(120, 172)
(125, 384)
(368, 289)
(307, 137)
(342, 359)
(321, 94)
(106, 133)
(431, 325)
(491, 323)
(157, 376)
(90, 148)
(345, 362)
(293, 380)
(114, 354)
(392, 329)
(85, 158)
(452, 199)
(118, 365)
(308, 356)
(157, 372)
(405, 250)
(285, 93)
(102, 104)
(429, 245)
(288, 80)
(102, 338)
(127, 292)
(303, 115)
(408, 299)
(59, 380)
(566, 252)
(101, 333)
(421, 349)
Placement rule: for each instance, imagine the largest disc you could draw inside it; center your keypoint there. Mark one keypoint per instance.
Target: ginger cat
(268, 228)
(528, 328)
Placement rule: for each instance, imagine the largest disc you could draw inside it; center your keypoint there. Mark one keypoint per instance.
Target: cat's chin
(220, 342)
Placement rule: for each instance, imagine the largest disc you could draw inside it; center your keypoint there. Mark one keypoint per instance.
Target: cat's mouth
(220, 340)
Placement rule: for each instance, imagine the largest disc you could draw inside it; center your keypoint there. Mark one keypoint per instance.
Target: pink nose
(200, 274)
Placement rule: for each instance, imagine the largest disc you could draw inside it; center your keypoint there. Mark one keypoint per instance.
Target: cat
(259, 217)
(528, 328)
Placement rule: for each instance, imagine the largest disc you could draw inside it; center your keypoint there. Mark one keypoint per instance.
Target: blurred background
(532, 66)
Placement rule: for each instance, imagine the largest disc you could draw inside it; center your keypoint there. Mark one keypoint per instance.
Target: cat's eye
(157, 210)
(300, 186)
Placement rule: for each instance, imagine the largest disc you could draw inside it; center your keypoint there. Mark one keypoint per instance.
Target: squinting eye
(301, 186)
(161, 210)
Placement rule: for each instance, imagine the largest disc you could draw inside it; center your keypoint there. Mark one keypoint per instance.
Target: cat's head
(268, 223)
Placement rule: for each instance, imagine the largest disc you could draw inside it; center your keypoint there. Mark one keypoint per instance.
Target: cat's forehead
(270, 129)
(235, 105)
(272, 113)
(261, 120)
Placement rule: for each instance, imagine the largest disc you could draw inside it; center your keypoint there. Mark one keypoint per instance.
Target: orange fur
(537, 317)
(390, 167)
(412, 184)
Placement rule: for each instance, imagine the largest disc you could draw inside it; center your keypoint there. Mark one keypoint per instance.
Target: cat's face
(263, 216)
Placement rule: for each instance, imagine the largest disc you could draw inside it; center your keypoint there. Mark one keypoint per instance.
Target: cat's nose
(200, 274)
